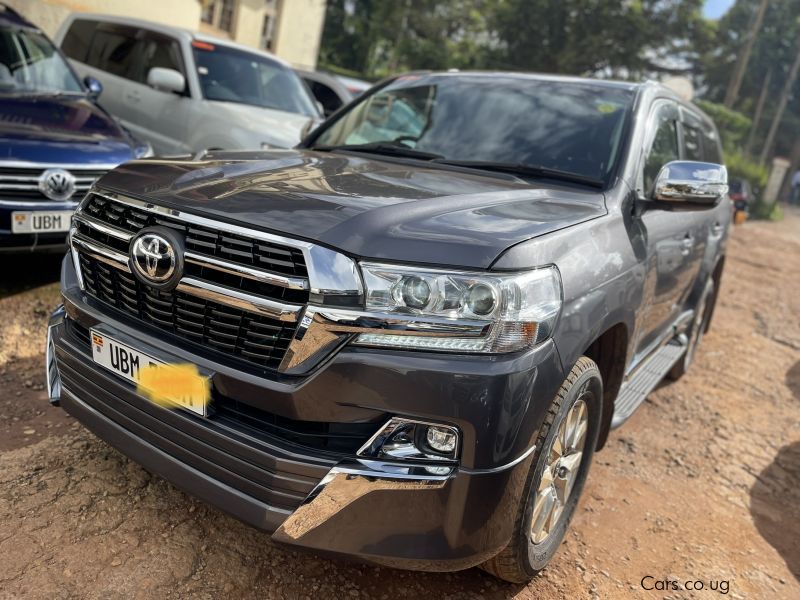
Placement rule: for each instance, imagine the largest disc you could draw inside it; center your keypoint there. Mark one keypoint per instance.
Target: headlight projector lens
(416, 292)
(480, 299)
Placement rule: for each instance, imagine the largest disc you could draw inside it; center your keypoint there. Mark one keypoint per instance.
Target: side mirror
(683, 181)
(95, 87)
(166, 80)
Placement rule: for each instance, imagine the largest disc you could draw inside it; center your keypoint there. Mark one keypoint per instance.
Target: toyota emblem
(57, 184)
(156, 257)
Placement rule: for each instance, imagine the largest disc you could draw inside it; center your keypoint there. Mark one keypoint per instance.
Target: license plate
(128, 362)
(53, 221)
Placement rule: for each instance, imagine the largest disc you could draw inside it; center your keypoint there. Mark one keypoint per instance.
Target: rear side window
(78, 39)
(665, 145)
(692, 144)
(117, 50)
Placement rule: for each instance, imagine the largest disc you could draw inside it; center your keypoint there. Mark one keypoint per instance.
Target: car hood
(52, 129)
(379, 209)
(274, 127)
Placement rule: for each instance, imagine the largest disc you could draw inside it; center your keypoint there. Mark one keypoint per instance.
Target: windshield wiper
(524, 170)
(385, 148)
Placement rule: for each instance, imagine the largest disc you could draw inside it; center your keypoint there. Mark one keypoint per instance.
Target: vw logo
(156, 257)
(57, 184)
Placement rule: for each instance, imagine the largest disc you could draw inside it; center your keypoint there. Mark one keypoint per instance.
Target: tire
(522, 559)
(699, 323)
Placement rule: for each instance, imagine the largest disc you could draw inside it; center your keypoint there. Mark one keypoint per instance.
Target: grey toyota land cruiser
(418, 326)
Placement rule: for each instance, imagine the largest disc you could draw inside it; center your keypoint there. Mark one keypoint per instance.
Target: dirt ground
(701, 485)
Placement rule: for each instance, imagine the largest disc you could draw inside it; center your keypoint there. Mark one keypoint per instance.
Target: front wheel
(565, 446)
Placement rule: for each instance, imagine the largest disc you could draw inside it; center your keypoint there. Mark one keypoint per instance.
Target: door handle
(716, 229)
(687, 244)
(134, 96)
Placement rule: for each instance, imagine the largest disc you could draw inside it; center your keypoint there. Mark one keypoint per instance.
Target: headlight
(520, 309)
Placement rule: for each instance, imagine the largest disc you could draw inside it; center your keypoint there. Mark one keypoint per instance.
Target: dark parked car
(416, 328)
(55, 140)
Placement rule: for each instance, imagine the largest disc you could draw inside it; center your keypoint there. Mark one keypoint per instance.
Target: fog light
(441, 439)
(406, 440)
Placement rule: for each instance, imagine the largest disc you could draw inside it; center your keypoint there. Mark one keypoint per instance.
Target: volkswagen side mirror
(95, 87)
(690, 182)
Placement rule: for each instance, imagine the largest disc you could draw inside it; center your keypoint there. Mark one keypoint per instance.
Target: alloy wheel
(561, 472)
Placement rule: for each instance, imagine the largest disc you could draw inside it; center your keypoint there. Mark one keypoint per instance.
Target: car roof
(177, 32)
(611, 83)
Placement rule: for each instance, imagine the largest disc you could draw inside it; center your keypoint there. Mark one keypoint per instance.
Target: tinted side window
(78, 38)
(711, 148)
(665, 145)
(116, 50)
(692, 144)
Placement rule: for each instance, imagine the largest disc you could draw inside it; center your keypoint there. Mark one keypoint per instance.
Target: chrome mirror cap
(692, 182)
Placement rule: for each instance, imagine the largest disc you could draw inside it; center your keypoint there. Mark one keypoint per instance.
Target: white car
(187, 92)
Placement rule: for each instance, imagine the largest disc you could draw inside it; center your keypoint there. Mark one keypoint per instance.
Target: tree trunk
(757, 117)
(794, 159)
(776, 121)
(741, 65)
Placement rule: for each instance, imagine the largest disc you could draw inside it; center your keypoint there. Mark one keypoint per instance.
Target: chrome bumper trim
(346, 483)
(321, 327)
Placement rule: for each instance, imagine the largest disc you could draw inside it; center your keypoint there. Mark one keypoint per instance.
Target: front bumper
(330, 502)
(31, 242)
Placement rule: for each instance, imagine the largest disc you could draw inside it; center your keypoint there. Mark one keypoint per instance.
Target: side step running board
(647, 377)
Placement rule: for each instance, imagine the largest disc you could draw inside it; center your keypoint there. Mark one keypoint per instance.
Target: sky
(714, 9)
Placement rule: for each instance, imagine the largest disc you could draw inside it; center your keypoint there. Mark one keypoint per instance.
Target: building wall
(299, 32)
(48, 15)
(298, 27)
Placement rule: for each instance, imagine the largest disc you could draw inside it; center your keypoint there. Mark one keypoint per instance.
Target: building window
(266, 32)
(219, 14)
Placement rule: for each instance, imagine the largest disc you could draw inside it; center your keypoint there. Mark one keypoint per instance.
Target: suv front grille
(245, 335)
(239, 294)
(230, 247)
(22, 183)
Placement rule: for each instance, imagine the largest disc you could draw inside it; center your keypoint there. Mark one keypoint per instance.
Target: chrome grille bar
(197, 287)
(260, 275)
(294, 283)
(90, 221)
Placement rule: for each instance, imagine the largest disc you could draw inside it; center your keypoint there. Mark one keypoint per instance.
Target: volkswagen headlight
(509, 311)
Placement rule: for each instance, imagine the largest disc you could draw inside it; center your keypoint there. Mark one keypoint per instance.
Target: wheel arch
(609, 351)
(716, 276)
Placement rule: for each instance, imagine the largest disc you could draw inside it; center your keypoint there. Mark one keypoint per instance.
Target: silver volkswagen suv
(187, 92)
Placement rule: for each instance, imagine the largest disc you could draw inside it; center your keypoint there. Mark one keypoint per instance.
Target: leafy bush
(733, 126)
(741, 167)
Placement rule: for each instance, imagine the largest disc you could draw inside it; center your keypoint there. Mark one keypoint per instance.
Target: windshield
(232, 75)
(30, 63)
(566, 126)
